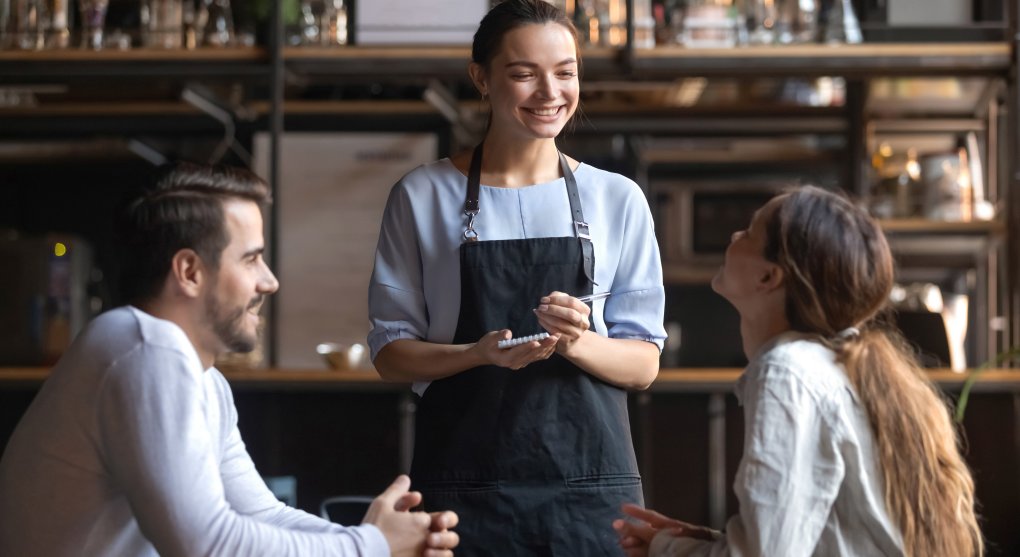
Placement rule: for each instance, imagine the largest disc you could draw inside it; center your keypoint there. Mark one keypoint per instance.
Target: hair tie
(848, 333)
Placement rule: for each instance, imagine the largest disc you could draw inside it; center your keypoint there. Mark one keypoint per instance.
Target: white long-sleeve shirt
(131, 448)
(809, 482)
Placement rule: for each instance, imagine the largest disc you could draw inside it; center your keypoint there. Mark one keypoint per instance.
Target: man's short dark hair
(183, 209)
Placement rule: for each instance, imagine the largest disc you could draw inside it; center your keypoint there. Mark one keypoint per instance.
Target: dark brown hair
(183, 209)
(509, 15)
(839, 272)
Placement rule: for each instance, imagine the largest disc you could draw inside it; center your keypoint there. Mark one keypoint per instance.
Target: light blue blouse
(415, 288)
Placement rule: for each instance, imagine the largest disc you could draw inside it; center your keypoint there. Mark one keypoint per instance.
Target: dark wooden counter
(693, 380)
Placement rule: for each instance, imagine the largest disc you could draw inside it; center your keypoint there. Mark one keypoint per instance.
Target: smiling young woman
(530, 444)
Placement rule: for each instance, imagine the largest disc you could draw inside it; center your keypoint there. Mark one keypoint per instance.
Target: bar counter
(687, 420)
(692, 380)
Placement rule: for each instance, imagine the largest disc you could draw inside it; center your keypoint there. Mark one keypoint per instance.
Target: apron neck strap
(581, 231)
(580, 226)
(474, 181)
(474, 185)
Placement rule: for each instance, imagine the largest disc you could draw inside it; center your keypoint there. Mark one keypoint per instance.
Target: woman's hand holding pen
(563, 316)
(515, 357)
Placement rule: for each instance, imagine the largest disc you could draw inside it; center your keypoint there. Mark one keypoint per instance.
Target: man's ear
(772, 279)
(477, 73)
(188, 272)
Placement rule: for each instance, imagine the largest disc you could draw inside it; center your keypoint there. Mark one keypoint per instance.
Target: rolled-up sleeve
(637, 307)
(396, 302)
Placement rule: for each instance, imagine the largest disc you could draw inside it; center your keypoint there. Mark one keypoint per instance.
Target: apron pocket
(603, 481)
(460, 486)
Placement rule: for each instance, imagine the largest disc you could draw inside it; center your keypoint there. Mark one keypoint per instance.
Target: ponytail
(928, 487)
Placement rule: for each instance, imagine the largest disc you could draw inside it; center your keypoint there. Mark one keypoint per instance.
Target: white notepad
(521, 340)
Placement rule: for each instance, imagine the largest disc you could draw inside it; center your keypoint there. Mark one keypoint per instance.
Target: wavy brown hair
(839, 272)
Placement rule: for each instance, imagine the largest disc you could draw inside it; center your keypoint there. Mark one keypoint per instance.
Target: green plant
(290, 10)
(961, 404)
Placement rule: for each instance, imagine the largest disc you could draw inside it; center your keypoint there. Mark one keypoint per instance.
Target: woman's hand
(514, 357)
(636, 536)
(563, 315)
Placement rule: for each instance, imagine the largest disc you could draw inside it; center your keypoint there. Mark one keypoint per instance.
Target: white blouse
(809, 482)
(415, 288)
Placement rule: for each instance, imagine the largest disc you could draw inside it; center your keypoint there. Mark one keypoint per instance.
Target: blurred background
(711, 106)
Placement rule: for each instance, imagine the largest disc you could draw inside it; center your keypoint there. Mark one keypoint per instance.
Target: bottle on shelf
(216, 21)
(34, 24)
(162, 23)
(841, 25)
(93, 18)
(334, 23)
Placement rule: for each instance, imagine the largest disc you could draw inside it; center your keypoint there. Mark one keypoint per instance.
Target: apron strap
(471, 202)
(581, 230)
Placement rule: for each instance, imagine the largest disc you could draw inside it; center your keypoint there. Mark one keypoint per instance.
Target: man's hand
(405, 532)
(441, 540)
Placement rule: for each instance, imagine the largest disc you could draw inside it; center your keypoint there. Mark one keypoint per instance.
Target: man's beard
(230, 328)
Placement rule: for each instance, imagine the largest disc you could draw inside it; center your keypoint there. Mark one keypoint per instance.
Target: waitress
(531, 444)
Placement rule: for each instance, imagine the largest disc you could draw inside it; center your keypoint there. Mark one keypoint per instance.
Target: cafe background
(710, 105)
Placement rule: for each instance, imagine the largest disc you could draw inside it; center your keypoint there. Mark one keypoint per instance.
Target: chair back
(347, 510)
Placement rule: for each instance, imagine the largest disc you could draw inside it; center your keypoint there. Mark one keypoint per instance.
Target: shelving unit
(264, 71)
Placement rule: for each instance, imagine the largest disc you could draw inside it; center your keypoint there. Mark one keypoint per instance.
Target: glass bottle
(908, 188)
(219, 23)
(841, 25)
(93, 17)
(334, 23)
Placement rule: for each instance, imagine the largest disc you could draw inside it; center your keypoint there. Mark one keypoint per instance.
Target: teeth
(545, 111)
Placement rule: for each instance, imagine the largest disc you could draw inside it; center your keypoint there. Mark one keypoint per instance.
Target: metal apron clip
(470, 234)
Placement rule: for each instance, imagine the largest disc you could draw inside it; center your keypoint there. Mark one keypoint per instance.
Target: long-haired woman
(848, 449)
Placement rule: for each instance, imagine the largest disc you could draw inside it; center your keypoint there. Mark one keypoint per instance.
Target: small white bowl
(342, 356)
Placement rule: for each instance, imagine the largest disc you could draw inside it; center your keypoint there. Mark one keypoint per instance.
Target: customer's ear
(187, 272)
(772, 279)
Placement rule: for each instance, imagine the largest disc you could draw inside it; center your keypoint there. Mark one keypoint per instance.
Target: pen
(593, 297)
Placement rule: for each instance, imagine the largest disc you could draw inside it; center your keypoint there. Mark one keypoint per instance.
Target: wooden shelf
(868, 60)
(696, 380)
(926, 226)
(410, 62)
(104, 108)
(232, 54)
(429, 62)
(16, 65)
(671, 62)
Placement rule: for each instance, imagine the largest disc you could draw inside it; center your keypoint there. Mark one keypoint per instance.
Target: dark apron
(535, 461)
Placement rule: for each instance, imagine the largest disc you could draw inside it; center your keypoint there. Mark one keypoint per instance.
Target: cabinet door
(332, 191)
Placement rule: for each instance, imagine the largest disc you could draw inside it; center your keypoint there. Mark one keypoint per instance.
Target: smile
(544, 111)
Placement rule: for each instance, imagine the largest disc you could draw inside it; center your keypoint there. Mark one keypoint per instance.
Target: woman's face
(745, 270)
(532, 82)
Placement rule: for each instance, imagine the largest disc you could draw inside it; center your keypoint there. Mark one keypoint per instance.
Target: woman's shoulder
(802, 360)
(616, 187)
(441, 170)
(429, 180)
